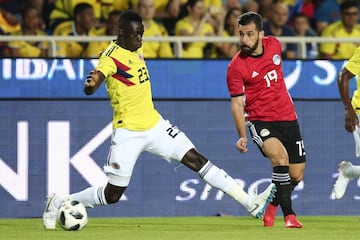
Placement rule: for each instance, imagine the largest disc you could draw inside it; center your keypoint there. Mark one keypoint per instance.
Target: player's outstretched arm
(93, 81)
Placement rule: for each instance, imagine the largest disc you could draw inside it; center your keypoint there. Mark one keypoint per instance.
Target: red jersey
(260, 79)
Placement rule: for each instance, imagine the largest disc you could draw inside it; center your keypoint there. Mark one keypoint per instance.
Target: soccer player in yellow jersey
(347, 171)
(138, 127)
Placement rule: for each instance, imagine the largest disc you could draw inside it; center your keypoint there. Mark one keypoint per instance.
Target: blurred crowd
(328, 18)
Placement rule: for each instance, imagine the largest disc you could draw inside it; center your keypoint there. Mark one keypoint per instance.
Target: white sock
(90, 197)
(352, 171)
(219, 179)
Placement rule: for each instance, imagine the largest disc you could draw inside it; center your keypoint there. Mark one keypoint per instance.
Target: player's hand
(89, 81)
(351, 120)
(241, 145)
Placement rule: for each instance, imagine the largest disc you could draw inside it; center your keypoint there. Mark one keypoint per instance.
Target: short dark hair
(249, 17)
(127, 16)
(348, 4)
(79, 8)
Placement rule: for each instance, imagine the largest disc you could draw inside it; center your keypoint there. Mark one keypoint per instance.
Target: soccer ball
(72, 215)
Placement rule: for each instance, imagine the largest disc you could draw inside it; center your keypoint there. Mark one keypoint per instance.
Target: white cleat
(261, 201)
(50, 212)
(342, 181)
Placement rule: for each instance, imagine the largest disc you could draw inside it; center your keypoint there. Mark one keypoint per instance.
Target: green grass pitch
(183, 228)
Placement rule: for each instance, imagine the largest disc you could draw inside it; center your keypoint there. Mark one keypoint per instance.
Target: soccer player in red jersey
(260, 100)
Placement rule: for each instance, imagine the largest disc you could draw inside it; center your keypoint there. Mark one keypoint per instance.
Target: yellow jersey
(129, 89)
(6, 27)
(64, 9)
(29, 49)
(73, 49)
(121, 4)
(159, 5)
(353, 66)
(156, 49)
(340, 50)
(94, 49)
(193, 50)
(213, 3)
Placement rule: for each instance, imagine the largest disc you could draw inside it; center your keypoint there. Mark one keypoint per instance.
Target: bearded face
(249, 49)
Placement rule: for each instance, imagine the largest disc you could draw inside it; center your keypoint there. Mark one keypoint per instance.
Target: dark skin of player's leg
(192, 159)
